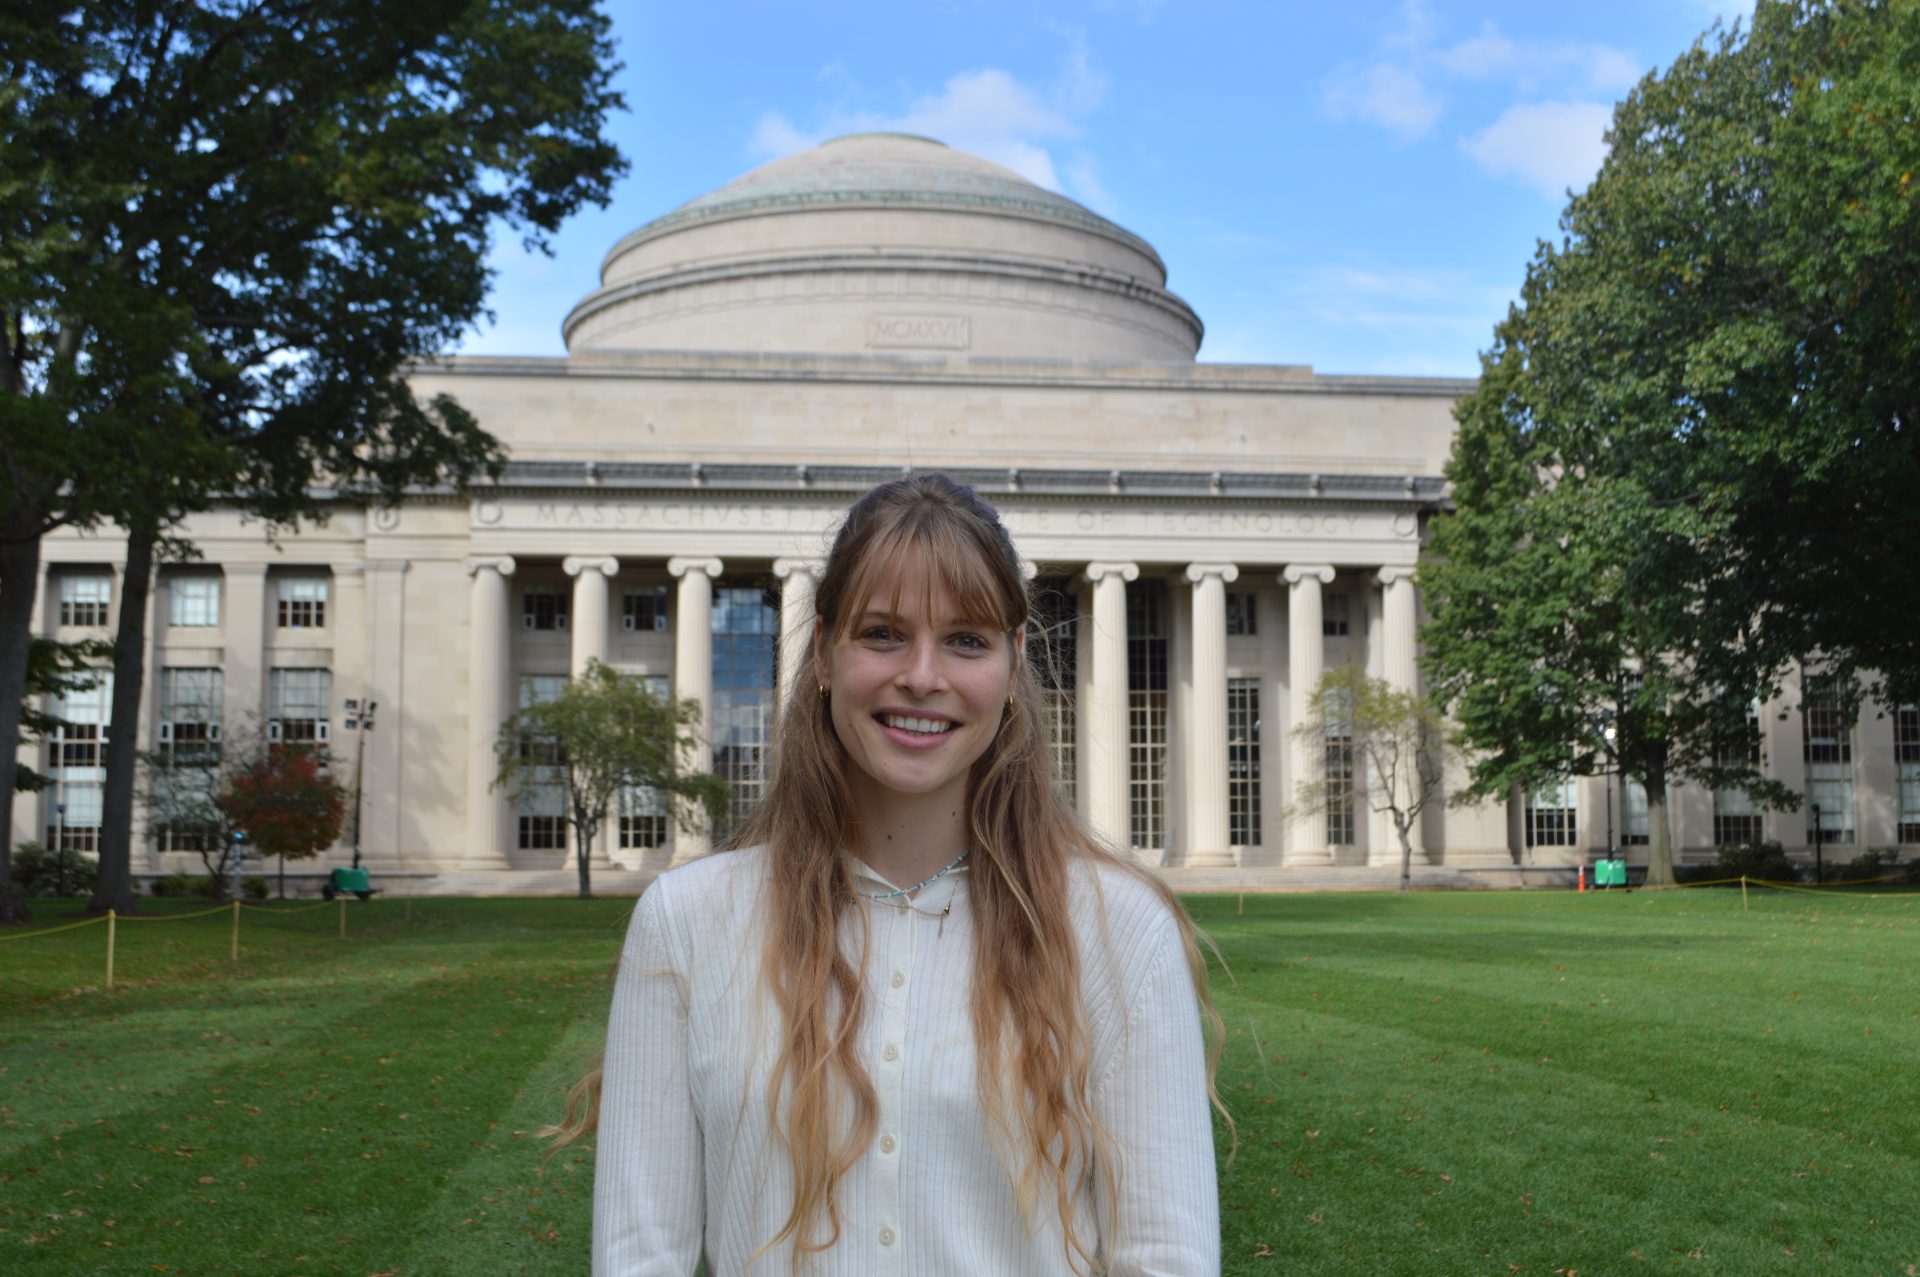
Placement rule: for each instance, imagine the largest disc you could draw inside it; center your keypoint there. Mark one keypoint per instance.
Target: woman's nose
(922, 674)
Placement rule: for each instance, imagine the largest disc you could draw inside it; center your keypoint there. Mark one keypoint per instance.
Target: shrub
(175, 884)
(1767, 861)
(1875, 864)
(205, 886)
(39, 872)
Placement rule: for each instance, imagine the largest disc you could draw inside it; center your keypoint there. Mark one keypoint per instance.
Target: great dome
(890, 244)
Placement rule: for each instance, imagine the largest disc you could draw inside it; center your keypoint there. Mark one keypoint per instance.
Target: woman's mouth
(916, 726)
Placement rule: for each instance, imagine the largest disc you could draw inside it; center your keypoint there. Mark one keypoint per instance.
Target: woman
(919, 1021)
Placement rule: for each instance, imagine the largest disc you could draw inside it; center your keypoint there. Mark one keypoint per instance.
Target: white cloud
(1549, 146)
(1083, 180)
(774, 135)
(987, 111)
(1725, 10)
(1403, 89)
(1386, 94)
(1528, 64)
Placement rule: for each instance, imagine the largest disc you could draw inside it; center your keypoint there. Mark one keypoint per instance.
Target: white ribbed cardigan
(687, 1163)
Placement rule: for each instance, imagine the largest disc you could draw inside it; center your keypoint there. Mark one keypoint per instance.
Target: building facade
(1205, 540)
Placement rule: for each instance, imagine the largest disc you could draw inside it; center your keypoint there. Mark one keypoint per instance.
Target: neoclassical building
(1205, 539)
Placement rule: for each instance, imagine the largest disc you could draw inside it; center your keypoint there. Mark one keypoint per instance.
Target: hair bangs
(936, 557)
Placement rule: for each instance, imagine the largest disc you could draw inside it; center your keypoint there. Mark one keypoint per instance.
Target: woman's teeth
(926, 725)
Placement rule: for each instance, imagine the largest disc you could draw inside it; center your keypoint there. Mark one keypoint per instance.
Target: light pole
(1603, 729)
(359, 717)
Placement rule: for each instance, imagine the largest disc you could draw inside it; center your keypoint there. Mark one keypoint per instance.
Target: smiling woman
(786, 1073)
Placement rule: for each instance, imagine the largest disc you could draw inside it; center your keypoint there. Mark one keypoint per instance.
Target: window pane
(84, 598)
(746, 632)
(1243, 762)
(300, 703)
(1147, 714)
(302, 602)
(194, 600)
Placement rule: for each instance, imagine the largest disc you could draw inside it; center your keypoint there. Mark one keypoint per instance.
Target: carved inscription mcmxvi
(919, 332)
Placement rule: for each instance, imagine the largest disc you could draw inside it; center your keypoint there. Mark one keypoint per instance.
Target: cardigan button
(899, 978)
(886, 1237)
(891, 1054)
(887, 1144)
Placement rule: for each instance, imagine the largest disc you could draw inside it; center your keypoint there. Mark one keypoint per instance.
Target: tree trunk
(1659, 832)
(580, 857)
(19, 580)
(1401, 826)
(113, 885)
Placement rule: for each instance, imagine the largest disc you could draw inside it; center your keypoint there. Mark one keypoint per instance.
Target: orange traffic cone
(1580, 877)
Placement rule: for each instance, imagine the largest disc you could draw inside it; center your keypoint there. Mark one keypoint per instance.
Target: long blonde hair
(1029, 1020)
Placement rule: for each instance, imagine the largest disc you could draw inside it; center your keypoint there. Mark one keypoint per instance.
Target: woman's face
(917, 694)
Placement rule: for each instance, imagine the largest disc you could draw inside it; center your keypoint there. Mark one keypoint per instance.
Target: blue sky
(1353, 186)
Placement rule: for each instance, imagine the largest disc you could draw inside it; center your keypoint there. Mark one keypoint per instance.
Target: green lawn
(1475, 1083)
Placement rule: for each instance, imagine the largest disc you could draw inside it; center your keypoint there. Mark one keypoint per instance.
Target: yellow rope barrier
(172, 917)
(282, 912)
(35, 935)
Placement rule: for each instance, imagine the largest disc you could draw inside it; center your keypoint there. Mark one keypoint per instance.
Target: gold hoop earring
(823, 691)
(1009, 700)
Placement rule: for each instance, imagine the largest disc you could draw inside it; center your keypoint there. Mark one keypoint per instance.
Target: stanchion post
(343, 917)
(233, 950)
(111, 918)
(1744, 906)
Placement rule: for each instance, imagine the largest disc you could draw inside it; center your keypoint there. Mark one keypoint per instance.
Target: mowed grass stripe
(1436, 1100)
(509, 1209)
(1404, 1120)
(360, 1121)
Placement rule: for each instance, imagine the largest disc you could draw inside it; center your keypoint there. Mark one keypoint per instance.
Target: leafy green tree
(1392, 747)
(604, 733)
(1690, 458)
(1578, 623)
(53, 670)
(226, 227)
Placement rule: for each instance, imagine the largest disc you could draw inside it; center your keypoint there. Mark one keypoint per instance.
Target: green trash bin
(348, 882)
(1608, 873)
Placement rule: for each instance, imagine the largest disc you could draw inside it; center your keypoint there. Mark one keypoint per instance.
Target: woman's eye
(875, 634)
(970, 642)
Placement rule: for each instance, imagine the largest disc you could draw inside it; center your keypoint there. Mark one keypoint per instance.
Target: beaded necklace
(908, 891)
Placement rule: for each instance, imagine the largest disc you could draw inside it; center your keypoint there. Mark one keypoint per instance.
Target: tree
(1580, 620)
(1376, 743)
(604, 733)
(1688, 462)
(227, 228)
(285, 801)
(180, 790)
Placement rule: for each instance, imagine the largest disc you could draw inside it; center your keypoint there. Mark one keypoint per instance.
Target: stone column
(693, 677)
(489, 702)
(798, 577)
(243, 619)
(347, 625)
(390, 769)
(1209, 842)
(1306, 661)
(1105, 718)
(1399, 661)
(590, 577)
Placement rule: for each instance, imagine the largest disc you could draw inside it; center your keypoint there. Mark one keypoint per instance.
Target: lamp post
(1819, 874)
(359, 717)
(1604, 731)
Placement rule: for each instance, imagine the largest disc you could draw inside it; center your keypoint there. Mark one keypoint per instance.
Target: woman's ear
(821, 665)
